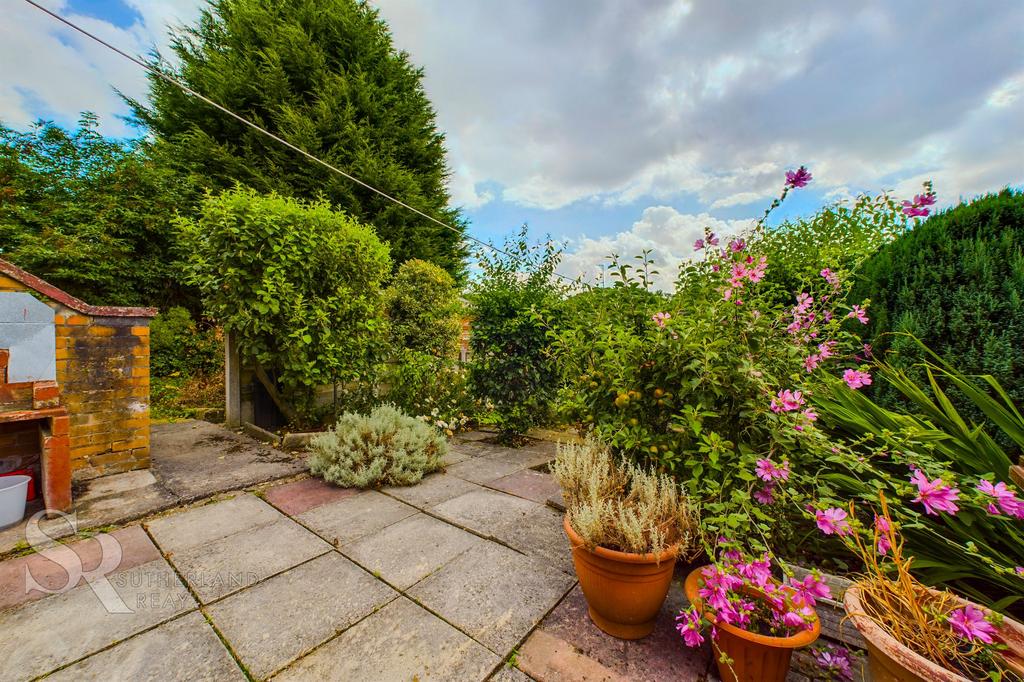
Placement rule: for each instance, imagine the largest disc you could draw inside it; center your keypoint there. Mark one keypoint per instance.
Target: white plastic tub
(13, 490)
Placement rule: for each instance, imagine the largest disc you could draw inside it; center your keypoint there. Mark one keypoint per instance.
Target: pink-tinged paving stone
(547, 658)
(46, 567)
(659, 656)
(301, 496)
(529, 484)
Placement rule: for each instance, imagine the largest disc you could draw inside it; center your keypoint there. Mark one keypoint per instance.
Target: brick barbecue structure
(74, 385)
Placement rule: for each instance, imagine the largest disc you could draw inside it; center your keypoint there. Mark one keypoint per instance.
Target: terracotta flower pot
(890, 661)
(624, 591)
(755, 658)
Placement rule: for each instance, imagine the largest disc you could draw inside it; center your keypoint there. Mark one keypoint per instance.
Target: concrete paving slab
(483, 469)
(474, 449)
(118, 484)
(403, 642)
(433, 489)
(184, 650)
(454, 456)
(408, 551)
(193, 459)
(181, 531)
(510, 674)
(47, 568)
(529, 484)
(550, 659)
(237, 561)
(300, 496)
(487, 512)
(494, 594)
(472, 436)
(275, 622)
(348, 520)
(523, 458)
(46, 634)
(540, 534)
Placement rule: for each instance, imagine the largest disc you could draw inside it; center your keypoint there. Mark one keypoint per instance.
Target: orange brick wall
(103, 375)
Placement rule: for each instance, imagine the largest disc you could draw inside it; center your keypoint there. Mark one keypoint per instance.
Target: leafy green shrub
(956, 282)
(424, 313)
(622, 506)
(385, 448)
(838, 237)
(434, 389)
(513, 304)
(298, 284)
(178, 346)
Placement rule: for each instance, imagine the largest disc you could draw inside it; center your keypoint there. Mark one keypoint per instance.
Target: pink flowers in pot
(743, 593)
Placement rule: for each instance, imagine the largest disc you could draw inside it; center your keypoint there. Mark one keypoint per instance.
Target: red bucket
(30, 493)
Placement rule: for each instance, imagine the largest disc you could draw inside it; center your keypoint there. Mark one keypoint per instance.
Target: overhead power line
(241, 119)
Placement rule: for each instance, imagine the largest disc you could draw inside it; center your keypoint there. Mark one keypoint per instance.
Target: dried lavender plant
(622, 506)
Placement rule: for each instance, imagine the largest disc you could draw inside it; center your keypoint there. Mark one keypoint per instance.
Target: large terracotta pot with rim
(624, 591)
(755, 658)
(890, 661)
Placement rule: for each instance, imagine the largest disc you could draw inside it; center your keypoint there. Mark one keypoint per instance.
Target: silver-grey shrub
(385, 448)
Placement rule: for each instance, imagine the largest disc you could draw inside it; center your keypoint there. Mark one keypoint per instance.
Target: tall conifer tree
(324, 75)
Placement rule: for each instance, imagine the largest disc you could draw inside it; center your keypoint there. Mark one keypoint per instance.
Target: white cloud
(49, 70)
(560, 102)
(668, 234)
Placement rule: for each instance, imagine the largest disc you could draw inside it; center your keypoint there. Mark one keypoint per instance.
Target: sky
(616, 126)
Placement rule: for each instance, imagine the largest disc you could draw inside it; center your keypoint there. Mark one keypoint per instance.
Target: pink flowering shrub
(720, 374)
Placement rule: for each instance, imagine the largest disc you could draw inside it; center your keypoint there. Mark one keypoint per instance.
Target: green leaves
(309, 312)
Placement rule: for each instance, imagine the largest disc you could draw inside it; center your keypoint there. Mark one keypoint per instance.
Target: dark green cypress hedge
(956, 282)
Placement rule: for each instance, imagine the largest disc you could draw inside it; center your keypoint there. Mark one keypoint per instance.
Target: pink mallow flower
(809, 590)
(826, 349)
(970, 624)
(830, 277)
(859, 313)
(698, 245)
(856, 379)
(712, 239)
(756, 273)
(787, 401)
(737, 245)
(807, 417)
(811, 362)
(661, 318)
(883, 527)
(935, 495)
(1006, 499)
(798, 178)
(837, 662)
(688, 625)
(832, 520)
(766, 494)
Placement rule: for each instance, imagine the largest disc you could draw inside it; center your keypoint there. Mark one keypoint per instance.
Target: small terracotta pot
(755, 658)
(890, 661)
(624, 591)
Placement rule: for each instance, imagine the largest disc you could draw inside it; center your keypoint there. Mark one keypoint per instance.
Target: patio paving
(448, 580)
